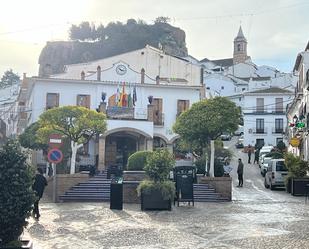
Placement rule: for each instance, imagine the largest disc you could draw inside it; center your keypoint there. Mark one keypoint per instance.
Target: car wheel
(265, 184)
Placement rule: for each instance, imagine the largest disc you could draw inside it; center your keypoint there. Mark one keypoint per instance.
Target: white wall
(69, 90)
(269, 119)
(154, 61)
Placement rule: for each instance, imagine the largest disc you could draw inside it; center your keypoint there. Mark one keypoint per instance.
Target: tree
(82, 32)
(9, 78)
(29, 138)
(76, 123)
(16, 195)
(207, 120)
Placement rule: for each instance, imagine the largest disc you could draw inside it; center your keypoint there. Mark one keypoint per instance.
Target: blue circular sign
(55, 156)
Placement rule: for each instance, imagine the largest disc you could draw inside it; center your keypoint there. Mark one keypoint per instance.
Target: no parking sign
(55, 155)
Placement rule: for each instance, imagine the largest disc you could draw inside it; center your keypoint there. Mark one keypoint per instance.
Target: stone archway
(117, 145)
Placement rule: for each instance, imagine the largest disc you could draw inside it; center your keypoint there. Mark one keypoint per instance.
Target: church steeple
(240, 48)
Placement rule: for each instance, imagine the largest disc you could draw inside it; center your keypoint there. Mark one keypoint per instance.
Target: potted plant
(296, 180)
(16, 195)
(158, 192)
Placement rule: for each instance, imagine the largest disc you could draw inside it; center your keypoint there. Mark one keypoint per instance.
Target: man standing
(240, 171)
(249, 153)
(38, 188)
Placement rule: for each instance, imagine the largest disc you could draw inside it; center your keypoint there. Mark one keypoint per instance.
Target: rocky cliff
(118, 38)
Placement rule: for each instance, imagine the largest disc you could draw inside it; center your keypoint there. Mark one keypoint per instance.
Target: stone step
(88, 191)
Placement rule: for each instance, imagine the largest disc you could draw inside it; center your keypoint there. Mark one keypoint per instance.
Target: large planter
(26, 244)
(154, 201)
(288, 186)
(298, 186)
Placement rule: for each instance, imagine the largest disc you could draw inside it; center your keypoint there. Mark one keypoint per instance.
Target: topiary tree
(158, 166)
(16, 195)
(137, 160)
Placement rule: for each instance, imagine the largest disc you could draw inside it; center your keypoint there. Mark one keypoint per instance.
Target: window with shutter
(83, 100)
(52, 100)
(157, 111)
(182, 105)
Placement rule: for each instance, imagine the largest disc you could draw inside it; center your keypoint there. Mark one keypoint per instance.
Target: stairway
(97, 189)
(206, 193)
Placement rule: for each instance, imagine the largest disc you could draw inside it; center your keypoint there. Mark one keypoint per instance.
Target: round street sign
(55, 156)
(294, 142)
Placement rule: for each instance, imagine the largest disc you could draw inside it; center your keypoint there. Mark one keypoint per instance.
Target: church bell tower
(240, 48)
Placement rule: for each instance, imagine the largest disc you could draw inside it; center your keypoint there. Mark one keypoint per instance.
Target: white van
(276, 173)
(264, 151)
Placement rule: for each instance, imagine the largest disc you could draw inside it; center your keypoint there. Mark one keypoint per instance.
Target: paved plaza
(256, 218)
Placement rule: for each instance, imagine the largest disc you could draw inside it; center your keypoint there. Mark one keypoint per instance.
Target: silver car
(264, 165)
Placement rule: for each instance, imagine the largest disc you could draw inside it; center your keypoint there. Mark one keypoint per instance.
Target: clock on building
(121, 69)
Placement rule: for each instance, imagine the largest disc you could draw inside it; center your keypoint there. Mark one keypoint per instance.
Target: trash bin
(116, 198)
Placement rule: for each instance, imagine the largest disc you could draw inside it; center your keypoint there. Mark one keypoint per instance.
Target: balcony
(277, 130)
(257, 131)
(267, 111)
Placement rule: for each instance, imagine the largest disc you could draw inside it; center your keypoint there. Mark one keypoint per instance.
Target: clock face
(121, 69)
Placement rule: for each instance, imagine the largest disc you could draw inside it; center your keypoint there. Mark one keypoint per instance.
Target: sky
(276, 30)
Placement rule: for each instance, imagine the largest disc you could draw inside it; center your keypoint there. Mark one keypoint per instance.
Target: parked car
(239, 131)
(226, 136)
(240, 143)
(276, 173)
(264, 165)
(264, 150)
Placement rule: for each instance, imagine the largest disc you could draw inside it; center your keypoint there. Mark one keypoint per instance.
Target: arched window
(238, 47)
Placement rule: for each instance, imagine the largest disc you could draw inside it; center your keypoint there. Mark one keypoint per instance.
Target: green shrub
(296, 166)
(16, 195)
(137, 160)
(167, 188)
(275, 155)
(159, 164)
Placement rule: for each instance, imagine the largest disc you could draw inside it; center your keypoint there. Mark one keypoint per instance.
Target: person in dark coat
(38, 187)
(256, 156)
(240, 172)
(249, 153)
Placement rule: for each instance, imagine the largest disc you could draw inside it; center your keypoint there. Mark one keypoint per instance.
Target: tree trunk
(74, 146)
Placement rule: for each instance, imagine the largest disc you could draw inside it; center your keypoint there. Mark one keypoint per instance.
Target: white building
(8, 111)
(138, 125)
(298, 110)
(264, 113)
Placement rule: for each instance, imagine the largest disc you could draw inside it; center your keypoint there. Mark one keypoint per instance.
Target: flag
(134, 96)
(117, 96)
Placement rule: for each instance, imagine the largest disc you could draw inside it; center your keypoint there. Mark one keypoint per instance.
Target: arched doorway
(121, 144)
(159, 142)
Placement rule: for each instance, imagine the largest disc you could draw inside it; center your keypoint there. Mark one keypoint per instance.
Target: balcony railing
(277, 130)
(258, 130)
(269, 111)
(118, 112)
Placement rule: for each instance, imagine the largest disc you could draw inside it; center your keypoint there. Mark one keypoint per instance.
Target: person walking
(249, 153)
(240, 171)
(38, 187)
(256, 156)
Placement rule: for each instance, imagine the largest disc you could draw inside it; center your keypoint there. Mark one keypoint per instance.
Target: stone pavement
(256, 218)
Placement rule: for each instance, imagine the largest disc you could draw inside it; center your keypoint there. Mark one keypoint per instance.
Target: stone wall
(64, 183)
(134, 175)
(222, 185)
(130, 192)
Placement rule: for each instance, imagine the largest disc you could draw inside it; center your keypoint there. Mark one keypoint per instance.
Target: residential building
(146, 118)
(264, 113)
(298, 111)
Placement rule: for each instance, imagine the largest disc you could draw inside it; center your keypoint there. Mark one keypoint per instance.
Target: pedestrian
(38, 187)
(240, 171)
(249, 153)
(256, 156)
